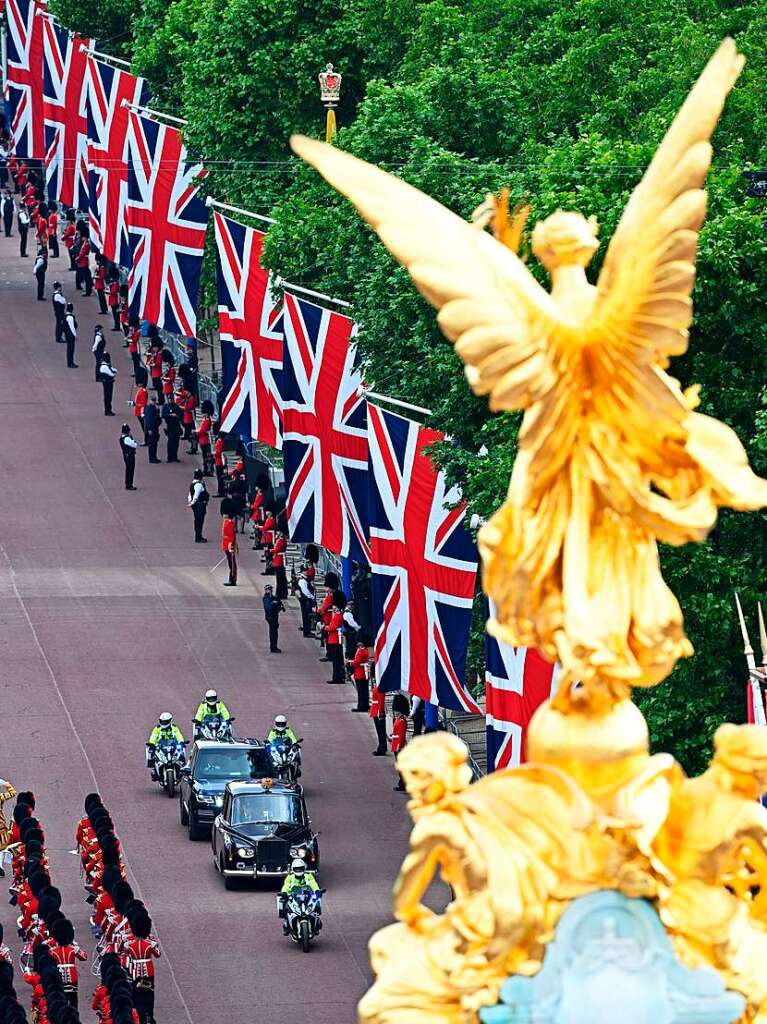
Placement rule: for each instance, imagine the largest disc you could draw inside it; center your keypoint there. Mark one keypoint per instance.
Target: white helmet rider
(165, 721)
(298, 869)
(280, 723)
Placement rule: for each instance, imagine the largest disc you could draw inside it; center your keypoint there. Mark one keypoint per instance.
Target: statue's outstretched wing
(644, 305)
(503, 323)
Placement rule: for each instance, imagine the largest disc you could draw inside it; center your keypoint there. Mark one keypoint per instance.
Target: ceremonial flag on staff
(65, 110)
(108, 155)
(166, 222)
(517, 681)
(324, 430)
(24, 82)
(754, 699)
(424, 564)
(250, 328)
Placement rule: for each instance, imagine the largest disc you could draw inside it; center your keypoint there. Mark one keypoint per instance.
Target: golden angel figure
(611, 455)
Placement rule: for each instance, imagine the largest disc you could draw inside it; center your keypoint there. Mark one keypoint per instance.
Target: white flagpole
(757, 702)
(104, 56)
(238, 209)
(279, 283)
(153, 113)
(395, 401)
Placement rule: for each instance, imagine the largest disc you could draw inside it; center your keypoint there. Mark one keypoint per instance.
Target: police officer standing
(198, 502)
(59, 311)
(40, 267)
(9, 209)
(107, 374)
(272, 608)
(307, 602)
(22, 223)
(128, 447)
(70, 333)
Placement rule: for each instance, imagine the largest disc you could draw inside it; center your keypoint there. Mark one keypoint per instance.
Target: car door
(186, 781)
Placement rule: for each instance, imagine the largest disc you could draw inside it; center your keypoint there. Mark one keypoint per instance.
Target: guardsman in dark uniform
(9, 208)
(128, 447)
(171, 415)
(151, 422)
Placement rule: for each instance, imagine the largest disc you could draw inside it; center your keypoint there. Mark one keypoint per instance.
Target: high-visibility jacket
(205, 709)
(308, 881)
(286, 734)
(165, 732)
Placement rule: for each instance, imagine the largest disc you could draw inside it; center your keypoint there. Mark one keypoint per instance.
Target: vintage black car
(211, 765)
(258, 827)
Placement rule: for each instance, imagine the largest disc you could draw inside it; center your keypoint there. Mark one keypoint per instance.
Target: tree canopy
(564, 103)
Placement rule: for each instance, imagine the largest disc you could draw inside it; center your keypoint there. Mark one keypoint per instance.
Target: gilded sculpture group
(611, 459)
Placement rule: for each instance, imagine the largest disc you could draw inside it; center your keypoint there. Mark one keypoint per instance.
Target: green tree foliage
(562, 102)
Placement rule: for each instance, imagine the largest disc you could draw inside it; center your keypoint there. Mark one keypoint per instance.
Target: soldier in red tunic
(278, 564)
(333, 639)
(398, 740)
(140, 950)
(66, 953)
(219, 466)
(229, 547)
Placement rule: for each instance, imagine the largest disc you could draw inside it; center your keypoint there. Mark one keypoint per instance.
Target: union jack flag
(108, 156)
(166, 222)
(24, 81)
(324, 430)
(250, 327)
(424, 564)
(517, 681)
(65, 109)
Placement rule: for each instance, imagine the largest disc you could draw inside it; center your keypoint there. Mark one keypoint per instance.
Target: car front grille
(272, 855)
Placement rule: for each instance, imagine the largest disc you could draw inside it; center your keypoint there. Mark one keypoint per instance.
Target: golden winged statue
(612, 457)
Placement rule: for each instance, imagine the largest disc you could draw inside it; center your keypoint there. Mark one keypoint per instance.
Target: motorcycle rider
(211, 705)
(299, 877)
(281, 731)
(164, 731)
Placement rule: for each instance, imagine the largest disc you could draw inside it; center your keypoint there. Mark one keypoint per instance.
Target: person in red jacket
(100, 285)
(169, 378)
(378, 714)
(257, 517)
(66, 953)
(220, 466)
(68, 238)
(133, 348)
(333, 641)
(83, 276)
(398, 741)
(53, 231)
(154, 362)
(278, 564)
(267, 537)
(113, 302)
(139, 951)
(229, 547)
(203, 437)
(188, 405)
(359, 666)
(140, 400)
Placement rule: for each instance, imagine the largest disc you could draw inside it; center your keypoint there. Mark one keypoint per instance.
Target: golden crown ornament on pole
(330, 94)
(612, 458)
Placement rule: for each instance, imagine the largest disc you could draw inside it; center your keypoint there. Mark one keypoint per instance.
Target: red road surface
(109, 615)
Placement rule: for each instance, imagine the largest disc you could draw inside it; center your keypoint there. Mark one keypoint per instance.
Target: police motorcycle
(213, 727)
(301, 911)
(286, 759)
(169, 759)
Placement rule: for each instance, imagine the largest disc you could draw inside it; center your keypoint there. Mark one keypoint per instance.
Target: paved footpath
(109, 615)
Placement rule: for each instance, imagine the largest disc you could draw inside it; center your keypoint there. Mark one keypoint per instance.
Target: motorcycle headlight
(245, 853)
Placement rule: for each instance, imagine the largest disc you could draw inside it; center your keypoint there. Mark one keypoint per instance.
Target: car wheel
(195, 832)
(229, 882)
(182, 815)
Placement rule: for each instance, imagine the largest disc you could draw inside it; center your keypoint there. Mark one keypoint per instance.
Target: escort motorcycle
(169, 759)
(213, 727)
(286, 758)
(301, 913)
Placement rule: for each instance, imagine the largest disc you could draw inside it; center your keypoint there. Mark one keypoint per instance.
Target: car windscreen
(256, 807)
(227, 764)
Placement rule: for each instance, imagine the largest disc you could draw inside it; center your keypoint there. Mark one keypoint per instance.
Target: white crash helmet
(211, 697)
(298, 868)
(280, 723)
(165, 720)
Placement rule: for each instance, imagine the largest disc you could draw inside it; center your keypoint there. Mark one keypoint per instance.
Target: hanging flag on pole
(250, 328)
(108, 156)
(24, 84)
(324, 430)
(65, 112)
(166, 222)
(424, 564)
(755, 709)
(517, 681)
